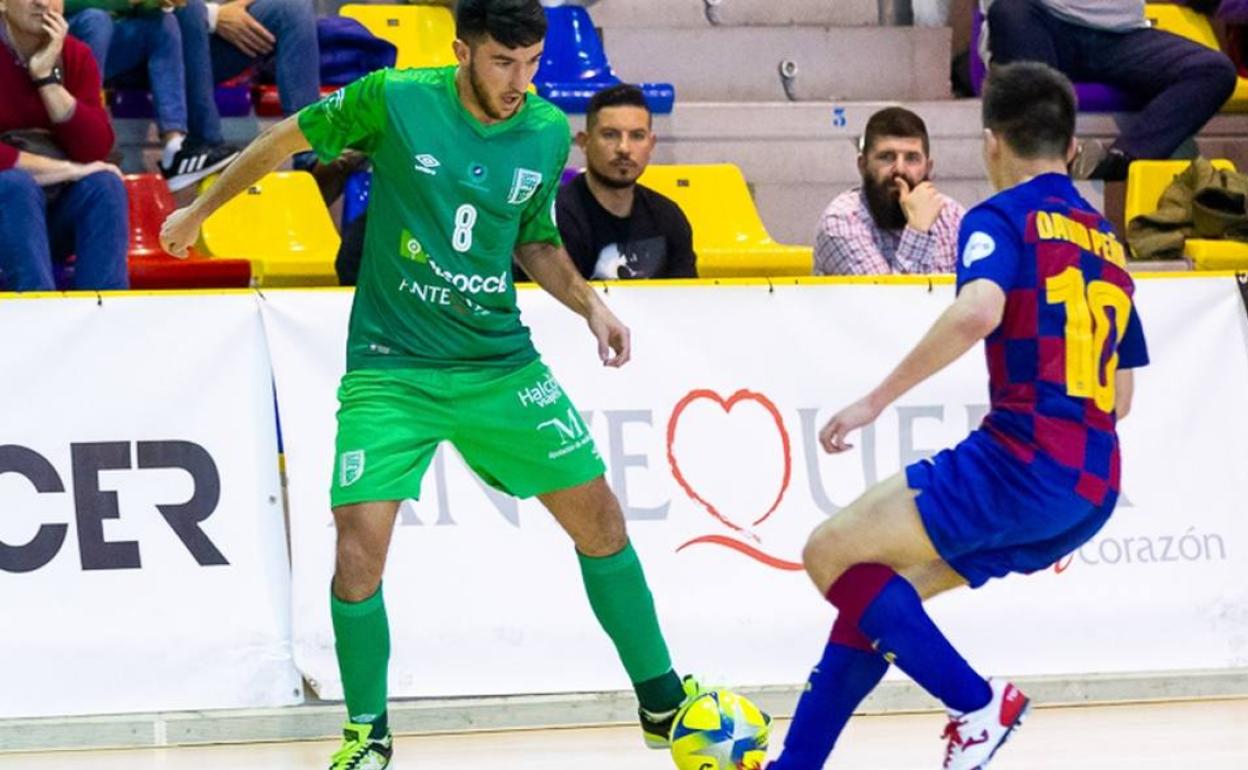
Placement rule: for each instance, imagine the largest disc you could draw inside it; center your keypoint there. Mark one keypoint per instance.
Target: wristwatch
(56, 77)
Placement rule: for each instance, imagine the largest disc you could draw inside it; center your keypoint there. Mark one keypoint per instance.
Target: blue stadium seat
(233, 99)
(575, 67)
(355, 196)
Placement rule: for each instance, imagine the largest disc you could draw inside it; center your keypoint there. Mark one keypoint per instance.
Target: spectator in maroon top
(57, 195)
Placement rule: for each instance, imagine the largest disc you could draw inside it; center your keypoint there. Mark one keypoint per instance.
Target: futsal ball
(720, 730)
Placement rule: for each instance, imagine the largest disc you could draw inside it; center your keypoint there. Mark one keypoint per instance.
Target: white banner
(143, 560)
(709, 435)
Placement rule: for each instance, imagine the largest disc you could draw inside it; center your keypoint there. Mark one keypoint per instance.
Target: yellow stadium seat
(282, 226)
(1148, 179)
(422, 33)
(1195, 26)
(728, 235)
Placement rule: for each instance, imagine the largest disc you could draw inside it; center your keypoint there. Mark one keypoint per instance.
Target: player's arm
(263, 155)
(974, 315)
(551, 267)
(1124, 385)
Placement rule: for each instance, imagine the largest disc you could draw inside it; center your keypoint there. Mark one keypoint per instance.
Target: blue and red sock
(889, 612)
(848, 672)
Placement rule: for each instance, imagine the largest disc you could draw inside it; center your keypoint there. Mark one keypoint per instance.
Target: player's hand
(857, 415)
(180, 232)
(921, 205)
(612, 335)
(55, 28)
(237, 26)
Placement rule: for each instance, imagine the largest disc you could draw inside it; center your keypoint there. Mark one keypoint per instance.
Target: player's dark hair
(619, 95)
(1031, 107)
(513, 23)
(894, 121)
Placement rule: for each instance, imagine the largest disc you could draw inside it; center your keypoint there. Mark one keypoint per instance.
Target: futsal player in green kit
(467, 165)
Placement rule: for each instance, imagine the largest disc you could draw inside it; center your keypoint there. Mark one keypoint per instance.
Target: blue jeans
(122, 46)
(205, 119)
(1180, 83)
(210, 59)
(90, 218)
(296, 58)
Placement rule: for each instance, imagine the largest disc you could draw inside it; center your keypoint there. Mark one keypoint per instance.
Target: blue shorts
(989, 514)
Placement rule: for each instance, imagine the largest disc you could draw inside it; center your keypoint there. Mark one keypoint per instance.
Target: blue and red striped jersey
(1070, 323)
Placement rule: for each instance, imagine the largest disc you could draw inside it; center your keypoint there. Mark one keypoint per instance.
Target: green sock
(624, 607)
(362, 641)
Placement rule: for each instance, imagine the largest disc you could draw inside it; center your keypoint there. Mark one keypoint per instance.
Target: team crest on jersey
(350, 467)
(523, 185)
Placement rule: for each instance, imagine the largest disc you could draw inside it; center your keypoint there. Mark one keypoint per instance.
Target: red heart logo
(733, 400)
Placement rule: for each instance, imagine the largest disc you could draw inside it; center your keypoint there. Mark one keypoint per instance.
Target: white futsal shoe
(973, 738)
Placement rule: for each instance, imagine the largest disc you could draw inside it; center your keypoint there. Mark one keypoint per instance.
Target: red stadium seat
(150, 266)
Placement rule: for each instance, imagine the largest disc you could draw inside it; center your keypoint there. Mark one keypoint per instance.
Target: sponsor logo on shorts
(350, 467)
(571, 432)
(523, 185)
(544, 392)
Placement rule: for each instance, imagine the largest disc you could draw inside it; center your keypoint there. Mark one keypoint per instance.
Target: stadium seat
(1195, 26)
(575, 67)
(422, 33)
(150, 266)
(1148, 179)
(233, 99)
(728, 235)
(281, 225)
(355, 196)
(1093, 97)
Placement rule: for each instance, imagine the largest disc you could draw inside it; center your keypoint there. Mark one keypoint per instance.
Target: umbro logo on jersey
(427, 164)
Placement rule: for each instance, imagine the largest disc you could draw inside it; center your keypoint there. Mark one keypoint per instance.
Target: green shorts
(516, 429)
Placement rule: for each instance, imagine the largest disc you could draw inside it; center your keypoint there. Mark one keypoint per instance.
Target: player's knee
(819, 557)
(358, 569)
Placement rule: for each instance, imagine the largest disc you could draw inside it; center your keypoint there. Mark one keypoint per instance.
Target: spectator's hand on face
(922, 204)
(55, 28)
(241, 29)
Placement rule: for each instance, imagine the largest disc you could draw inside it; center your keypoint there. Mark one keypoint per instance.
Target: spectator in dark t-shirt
(612, 226)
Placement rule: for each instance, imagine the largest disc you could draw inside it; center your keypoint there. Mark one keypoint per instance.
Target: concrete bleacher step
(611, 14)
(763, 64)
(798, 155)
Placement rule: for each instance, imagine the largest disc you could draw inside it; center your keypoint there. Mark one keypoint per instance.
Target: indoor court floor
(1211, 735)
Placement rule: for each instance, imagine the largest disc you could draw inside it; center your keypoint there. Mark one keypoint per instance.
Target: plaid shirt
(849, 243)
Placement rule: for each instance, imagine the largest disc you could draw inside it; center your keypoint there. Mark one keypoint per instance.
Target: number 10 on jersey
(1091, 355)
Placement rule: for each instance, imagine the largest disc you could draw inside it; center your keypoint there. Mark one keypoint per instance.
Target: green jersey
(451, 198)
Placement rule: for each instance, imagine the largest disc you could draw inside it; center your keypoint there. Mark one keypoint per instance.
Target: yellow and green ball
(720, 730)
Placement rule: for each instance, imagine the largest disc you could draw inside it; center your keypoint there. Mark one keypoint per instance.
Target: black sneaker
(193, 164)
